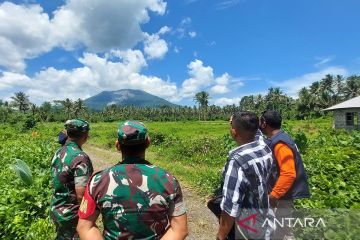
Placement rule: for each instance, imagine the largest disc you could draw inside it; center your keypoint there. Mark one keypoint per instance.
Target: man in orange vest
(289, 179)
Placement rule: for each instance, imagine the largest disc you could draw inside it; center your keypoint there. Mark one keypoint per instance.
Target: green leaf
(23, 171)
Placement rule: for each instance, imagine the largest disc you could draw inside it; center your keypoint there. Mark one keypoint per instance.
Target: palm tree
(338, 89)
(352, 87)
(67, 105)
(275, 99)
(33, 109)
(247, 103)
(45, 110)
(315, 92)
(79, 107)
(202, 98)
(305, 103)
(327, 90)
(21, 101)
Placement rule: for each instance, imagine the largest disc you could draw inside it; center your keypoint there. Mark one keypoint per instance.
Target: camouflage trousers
(66, 230)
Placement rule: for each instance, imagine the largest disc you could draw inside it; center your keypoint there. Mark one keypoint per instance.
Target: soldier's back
(68, 162)
(134, 200)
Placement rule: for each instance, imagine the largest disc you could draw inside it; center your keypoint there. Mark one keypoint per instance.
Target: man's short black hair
(133, 150)
(272, 118)
(245, 122)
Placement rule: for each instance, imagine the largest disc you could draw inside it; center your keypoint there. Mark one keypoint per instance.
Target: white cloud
(323, 60)
(155, 47)
(221, 84)
(293, 85)
(12, 80)
(26, 31)
(163, 30)
(224, 4)
(103, 25)
(176, 49)
(227, 101)
(223, 80)
(182, 29)
(97, 74)
(219, 89)
(185, 21)
(192, 34)
(202, 78)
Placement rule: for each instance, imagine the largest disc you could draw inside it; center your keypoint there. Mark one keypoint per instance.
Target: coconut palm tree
(67, 104)
(45, 111)
(352, 87)
(202, 98)
(21, 101)
(79, 107)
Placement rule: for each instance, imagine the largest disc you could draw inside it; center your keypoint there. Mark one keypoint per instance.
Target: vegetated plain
(194, 152)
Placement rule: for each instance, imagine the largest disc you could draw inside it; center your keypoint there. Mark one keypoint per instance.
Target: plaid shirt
(245, 177)
(260, 137)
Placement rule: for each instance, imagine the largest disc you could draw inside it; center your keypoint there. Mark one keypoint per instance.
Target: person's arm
(88, 213)
(233, 195)
(87, 228)
(79, 193)
(287, 173)
(178, 229)
(82, 173)
(226, 223)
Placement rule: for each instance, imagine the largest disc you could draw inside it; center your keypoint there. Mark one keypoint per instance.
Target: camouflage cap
(132, 133)
(77, 125)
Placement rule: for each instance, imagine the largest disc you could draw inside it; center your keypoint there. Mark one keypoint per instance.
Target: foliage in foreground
(24, 206)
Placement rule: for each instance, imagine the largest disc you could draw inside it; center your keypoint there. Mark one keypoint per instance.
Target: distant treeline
(310, 102)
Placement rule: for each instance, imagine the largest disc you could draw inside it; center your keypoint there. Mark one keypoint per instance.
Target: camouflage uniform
(134, 197)
(70, 167)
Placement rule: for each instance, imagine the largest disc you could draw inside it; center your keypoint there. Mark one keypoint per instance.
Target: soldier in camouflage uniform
(137, 200)
(71, 168)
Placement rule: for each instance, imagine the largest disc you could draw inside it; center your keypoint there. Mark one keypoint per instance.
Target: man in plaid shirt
(245, 177)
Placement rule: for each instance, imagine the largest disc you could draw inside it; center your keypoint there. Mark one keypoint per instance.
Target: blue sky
(173, 49)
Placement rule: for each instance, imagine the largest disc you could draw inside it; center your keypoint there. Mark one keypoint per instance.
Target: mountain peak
(126, 97)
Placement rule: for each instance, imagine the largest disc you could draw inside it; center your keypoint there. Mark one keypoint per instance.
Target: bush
(24, 209)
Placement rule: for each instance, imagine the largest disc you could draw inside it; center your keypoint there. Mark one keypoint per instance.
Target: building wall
(340, 118)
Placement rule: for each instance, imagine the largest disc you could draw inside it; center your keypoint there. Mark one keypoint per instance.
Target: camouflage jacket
(135, 200)
(70, 167)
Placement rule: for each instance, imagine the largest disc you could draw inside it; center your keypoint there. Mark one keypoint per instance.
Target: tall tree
(79, 107)
(21, 101)
(247, 103)
(352, 87)
(275, 99)
(202, 98)
(45, 111)
(33, 109)
(338, 89)
(67, 104)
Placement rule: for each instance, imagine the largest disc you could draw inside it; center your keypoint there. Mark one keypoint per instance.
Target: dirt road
(202, 223)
